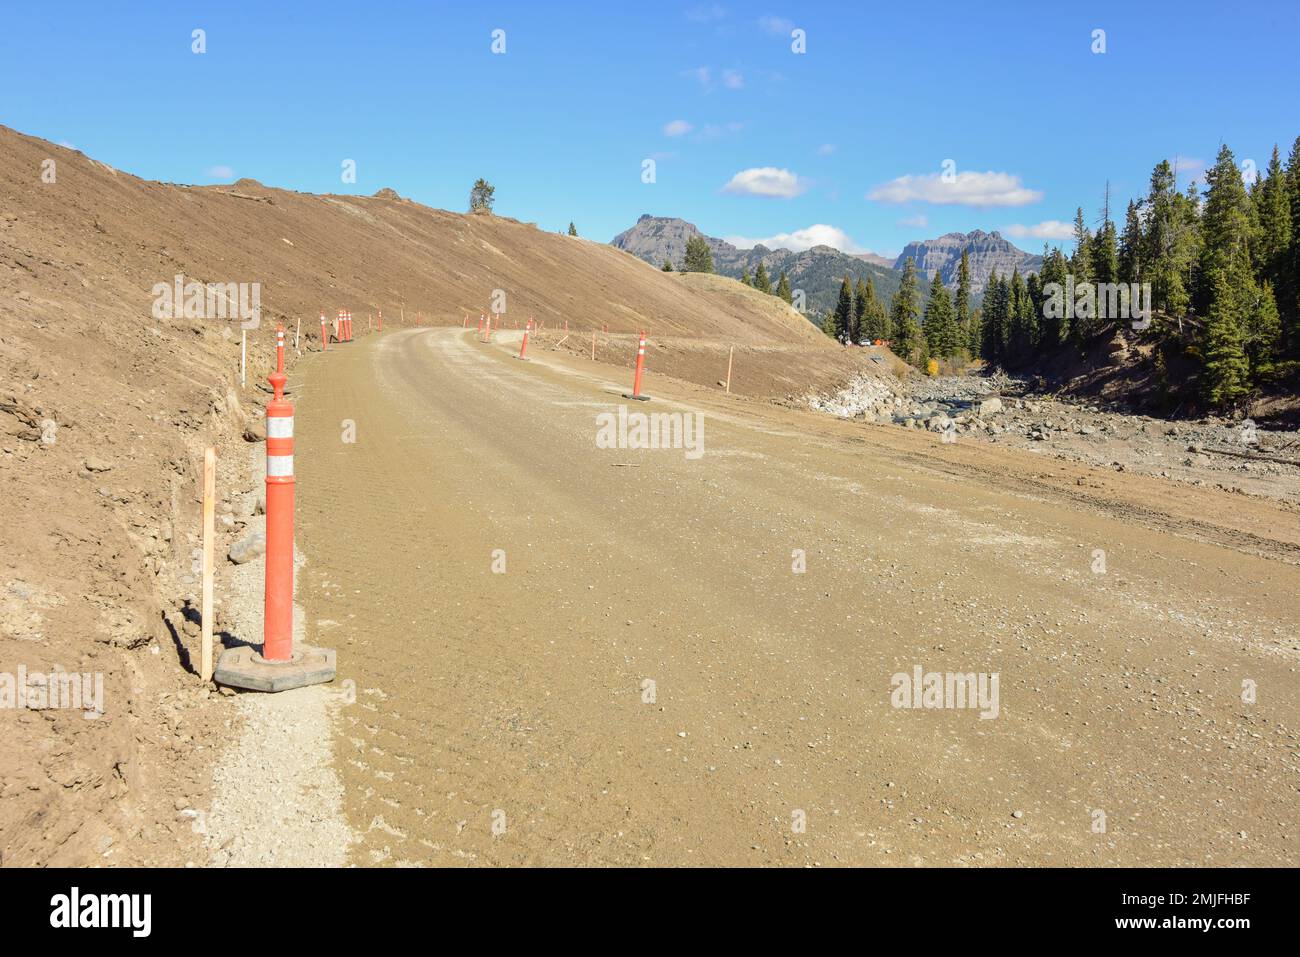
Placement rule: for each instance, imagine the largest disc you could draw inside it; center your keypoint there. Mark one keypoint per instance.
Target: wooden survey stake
(209, 534)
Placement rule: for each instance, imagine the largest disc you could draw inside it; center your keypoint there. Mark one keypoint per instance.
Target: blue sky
(749, 138)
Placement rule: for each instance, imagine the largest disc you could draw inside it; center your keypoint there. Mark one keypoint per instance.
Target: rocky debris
(249, 547)
(93, 464)
(1002, 409)
(254, 432)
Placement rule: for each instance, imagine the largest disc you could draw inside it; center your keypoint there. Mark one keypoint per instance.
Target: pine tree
(1227, 371)
(1263, 333)
(1105, 256)
(1166, 242)
(1130, 246)
(783, 289)
(1054, 328)
(1081, 270)
(481, 196)
(903, 313)
(994, 321)
(859, 309)
(1104, 251)
(1273, 210)
(744, 276)
(573, 230)
(1227, 223)
(940, 327)
(698, 256)
(962, 305)
(844, 314)
(873, 323)
(761, 282)
(1021, 321)
(975, 333)
(828, 323)
(668, 265)
(1288, 291)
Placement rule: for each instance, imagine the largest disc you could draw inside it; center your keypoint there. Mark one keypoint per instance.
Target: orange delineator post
(324, 335)
(523, 347)
(640, 370)
(277, 634)
(381, 320)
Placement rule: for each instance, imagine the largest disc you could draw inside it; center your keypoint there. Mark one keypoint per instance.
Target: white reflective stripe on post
(279, 466)
(279, 426)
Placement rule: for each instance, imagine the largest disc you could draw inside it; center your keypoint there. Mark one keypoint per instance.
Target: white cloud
(1048, 229)
(220, 172)
(965, 189)
(777, 26)
(677, 128)
(826, 149)
(766, 181)
(818, 234)
(919, 221)
(733, 79)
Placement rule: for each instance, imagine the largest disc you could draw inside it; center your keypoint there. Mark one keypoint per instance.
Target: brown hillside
(102, 238)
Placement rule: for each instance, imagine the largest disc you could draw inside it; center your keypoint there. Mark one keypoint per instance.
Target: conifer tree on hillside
(1130, 246)
(1054, 328)
(828, 323)
(844, 313)
(573, 230)
(1227, 372)
(994, 320)
(761, 281)
(903, 312)
(940, 326)
(1288, 288)
(1227, 225)
(962, 308)
(744, 276)
(874, 321)
(783, 289)
(481, 196)
(1273, 209)
(1081, 270)
(668, 265)
(1164, 245)
(1104, 253)
(1263, 341)
(975, 333)
(1022, 321)
(698, 256)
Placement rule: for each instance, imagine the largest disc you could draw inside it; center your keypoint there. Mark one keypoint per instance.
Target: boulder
(249, 547)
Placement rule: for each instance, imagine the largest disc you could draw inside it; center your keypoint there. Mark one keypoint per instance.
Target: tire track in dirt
(521, 692)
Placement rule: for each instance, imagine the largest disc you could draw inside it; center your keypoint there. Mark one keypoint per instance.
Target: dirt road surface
(650, 680)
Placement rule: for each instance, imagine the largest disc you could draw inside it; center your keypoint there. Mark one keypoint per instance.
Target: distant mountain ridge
(819, 270)
(986, 251)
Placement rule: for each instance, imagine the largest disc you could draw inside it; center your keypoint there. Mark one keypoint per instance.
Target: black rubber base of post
(639, 398)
